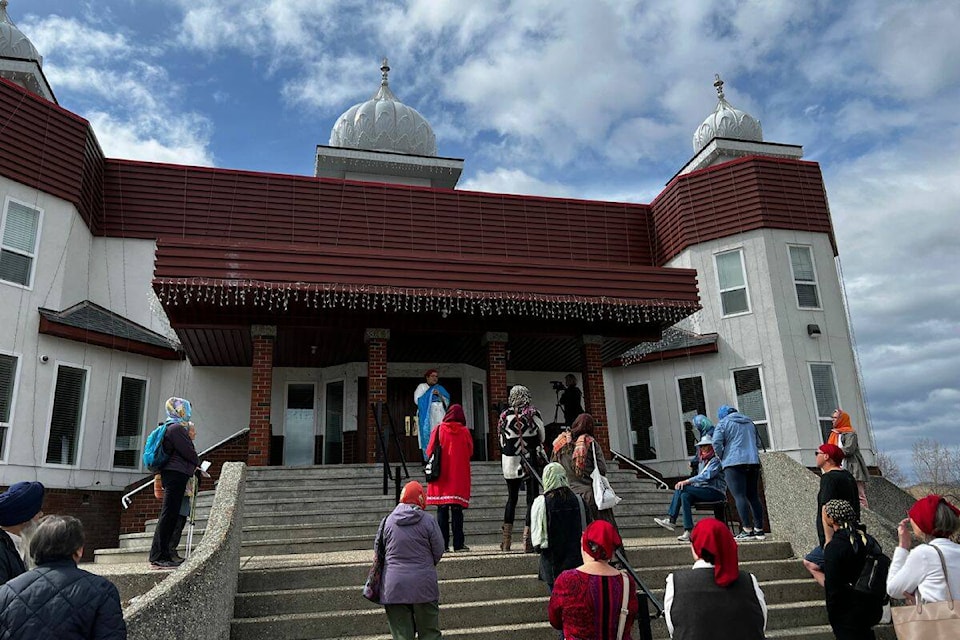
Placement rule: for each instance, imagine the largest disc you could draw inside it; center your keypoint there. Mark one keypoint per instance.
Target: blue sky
(592, 100)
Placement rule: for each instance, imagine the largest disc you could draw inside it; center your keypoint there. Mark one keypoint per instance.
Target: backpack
(876, 565)
(155, 457)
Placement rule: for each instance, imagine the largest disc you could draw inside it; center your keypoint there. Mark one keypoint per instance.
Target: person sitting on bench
(707, 486)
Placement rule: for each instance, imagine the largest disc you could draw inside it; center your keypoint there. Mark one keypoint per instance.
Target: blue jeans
(685, 497)
(743, 480)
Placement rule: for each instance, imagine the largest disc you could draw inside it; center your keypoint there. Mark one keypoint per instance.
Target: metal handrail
(377, 408)
(396, 439)
(639, 468)
(126, 499)
(644, 596)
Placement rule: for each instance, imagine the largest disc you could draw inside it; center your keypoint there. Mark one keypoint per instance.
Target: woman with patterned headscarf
(587, 601)
(174, 475)
(844, 436)
(521, 434)
(576, 450)
(736, 603)
(556, 524)
(852, 613)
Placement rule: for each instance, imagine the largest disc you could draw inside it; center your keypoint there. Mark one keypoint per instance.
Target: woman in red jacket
(452, 490)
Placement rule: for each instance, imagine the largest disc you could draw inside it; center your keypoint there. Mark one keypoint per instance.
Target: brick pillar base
(376, 340)
(496, 344)
(593, 394)
(261, 388)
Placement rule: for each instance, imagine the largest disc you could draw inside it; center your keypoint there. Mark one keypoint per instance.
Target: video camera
(558, 385)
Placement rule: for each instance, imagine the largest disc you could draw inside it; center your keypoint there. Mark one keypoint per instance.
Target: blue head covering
(178, 410)
(724, 411)
(20, 503)
(703, 424)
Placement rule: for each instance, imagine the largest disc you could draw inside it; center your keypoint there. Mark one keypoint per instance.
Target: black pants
(513, 494)
(174, 486)
(177, 534)
(443, 519)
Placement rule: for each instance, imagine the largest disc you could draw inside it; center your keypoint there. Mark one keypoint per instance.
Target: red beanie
(924, 513)
(833, 452)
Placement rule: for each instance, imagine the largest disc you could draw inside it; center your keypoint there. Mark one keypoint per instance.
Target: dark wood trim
(51, 328)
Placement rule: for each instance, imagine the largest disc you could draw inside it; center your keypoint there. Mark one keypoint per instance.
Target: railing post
(643, 617)
(396, 486)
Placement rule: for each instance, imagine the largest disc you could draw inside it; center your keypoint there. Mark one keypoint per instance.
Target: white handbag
(603, 493)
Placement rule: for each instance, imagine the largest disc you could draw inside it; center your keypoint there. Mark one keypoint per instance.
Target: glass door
(298, 425)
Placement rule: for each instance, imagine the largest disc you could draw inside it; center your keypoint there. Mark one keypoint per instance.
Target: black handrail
(645, 596)
(639, 468)
(396, 439)
(377, 408)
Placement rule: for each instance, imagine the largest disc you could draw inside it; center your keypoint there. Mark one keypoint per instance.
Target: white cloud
(184, 140)
(502, 180)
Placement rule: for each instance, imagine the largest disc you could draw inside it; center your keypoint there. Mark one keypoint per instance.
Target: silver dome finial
(384, 70)
(719, 85)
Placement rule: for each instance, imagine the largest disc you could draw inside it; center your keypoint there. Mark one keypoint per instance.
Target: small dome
(726, 122)
(383, 123)
(13, 44)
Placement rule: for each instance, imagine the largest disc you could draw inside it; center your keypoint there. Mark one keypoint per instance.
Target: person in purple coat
(414, 546)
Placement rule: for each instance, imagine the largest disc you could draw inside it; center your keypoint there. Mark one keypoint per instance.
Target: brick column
(496, 344)
(376, 340)
(261, 387)
(593, 394)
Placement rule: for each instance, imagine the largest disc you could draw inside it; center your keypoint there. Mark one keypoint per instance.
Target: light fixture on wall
(813, 330)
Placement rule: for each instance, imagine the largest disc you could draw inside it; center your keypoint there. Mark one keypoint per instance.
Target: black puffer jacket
(58, 601)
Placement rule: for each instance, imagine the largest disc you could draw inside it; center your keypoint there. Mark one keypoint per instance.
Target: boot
(507, 531)
(527, 542)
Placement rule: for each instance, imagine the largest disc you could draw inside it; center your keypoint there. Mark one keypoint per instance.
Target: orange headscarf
(413, 494)
(841, 424)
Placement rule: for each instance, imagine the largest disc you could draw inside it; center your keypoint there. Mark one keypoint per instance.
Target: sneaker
(744, 536)
(685, 537)
(463, 548)
(164, 564)
(758, 534)
(665, 523)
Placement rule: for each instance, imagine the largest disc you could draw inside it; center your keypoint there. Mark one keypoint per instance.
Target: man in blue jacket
(737, 444)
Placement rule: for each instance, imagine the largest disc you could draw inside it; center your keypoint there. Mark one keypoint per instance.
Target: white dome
(13, 44)
(383, 123)
(726, 122)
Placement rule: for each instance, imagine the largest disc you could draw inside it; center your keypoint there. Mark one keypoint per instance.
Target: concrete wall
(196, 600)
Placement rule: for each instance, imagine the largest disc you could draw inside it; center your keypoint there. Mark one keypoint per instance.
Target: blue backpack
(155, 457)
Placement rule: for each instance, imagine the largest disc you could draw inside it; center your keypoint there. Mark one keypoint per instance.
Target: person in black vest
(836, 483)
(19, 513)
(556, 524)
(852, 613)
(736, 603)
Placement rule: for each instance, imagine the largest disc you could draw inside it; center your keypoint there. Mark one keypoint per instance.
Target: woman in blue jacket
(737, 443)
(707, 486)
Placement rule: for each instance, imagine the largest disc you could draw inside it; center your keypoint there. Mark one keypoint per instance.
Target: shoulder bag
(624, 606)
(603, 493)
(432, 468)
(374, 586)
(930, 621)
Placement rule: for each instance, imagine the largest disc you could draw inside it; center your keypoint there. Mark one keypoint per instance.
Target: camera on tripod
(558, 385)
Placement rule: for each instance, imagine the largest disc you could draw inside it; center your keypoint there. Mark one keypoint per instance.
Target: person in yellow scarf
(844, 436)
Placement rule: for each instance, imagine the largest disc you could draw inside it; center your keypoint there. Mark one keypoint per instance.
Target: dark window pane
(300, 396)
(65, 420)
(749, 394)
(129, 422)
(641, 421)
(734, 301)
(8, 375)
(807, 296)
(15, 267)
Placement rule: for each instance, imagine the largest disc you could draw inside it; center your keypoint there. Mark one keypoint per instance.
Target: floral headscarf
(178, 411)
(519, 397)
(703, 425)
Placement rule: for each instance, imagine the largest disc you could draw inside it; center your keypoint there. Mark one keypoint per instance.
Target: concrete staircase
(308, 537)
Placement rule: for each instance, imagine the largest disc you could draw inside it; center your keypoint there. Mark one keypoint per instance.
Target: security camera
(44, 359)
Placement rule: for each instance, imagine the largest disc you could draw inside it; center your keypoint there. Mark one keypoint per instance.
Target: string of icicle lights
(273, 296)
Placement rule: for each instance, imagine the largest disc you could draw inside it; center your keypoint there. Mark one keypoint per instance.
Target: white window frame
(763, 392)
(654, 440)
(813, 394)
(13, 402)
(36, 244)
(815, 282)
(83, 415)
(116, 422)
(746, 283)
(343, 417)
(706, 403)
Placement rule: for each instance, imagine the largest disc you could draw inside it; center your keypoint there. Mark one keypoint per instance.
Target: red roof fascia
(53, 328)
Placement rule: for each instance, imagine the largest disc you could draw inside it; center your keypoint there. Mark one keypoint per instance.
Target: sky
(594, 100)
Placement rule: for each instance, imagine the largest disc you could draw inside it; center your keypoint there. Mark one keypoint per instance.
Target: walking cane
(193, 514)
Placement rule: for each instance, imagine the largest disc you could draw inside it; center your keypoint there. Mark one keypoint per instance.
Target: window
(804, 277)
(749, 388)
(67, 415)
(825, 395)
(692, 402)
(130, 420)
(18, 249)
(641, 422)
(733, 283)
(8, 379)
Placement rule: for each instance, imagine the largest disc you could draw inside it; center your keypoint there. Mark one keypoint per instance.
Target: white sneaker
(744, 536)
(665, 523)
(685, 537)
(758, 534)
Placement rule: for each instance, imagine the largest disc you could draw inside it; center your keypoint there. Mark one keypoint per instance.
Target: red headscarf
(713, 536)
(600, 540)
(413, 494)
(841, 424)
(924, 513)
(455, 414)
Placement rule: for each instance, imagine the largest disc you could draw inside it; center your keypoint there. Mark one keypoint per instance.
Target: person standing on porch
(432, 401)
(521, 434)
(451, 492)
(844, 436)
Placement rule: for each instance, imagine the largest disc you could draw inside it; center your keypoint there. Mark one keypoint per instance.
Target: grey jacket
(853, 459)
(414, 546)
